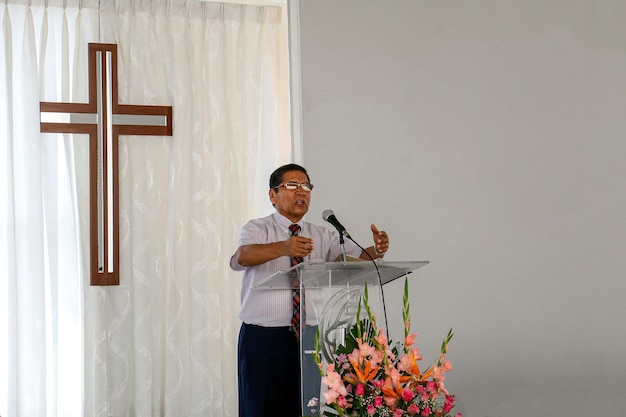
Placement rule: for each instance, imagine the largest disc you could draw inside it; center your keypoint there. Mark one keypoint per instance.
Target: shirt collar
(284, 222)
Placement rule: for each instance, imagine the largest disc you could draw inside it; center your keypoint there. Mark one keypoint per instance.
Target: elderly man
(269, 355)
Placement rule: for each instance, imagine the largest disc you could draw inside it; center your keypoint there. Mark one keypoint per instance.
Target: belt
(290, 328)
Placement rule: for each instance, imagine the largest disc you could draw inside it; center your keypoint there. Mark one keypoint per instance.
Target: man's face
(292, 204)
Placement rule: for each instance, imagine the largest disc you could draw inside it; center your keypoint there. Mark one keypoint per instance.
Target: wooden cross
(104, 120)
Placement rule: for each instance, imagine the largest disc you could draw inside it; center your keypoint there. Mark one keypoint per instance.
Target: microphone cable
(380, 283)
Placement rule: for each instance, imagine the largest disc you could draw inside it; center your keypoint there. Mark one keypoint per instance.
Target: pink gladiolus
(407, 394)
(365, 349)
(333, 380)
(416, 354)
(442, 388)
(382, 341)
(413, 409)
(446, 366)
(381, 338)
(377, 357)
(439, 371)
(405, 364)
(439, 375)
(365, 357)
(334, 383)
(331, 396)
(409, 340)
(408, 362)
(342, 402)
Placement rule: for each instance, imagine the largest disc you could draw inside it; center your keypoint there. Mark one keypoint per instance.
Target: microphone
(329, 216)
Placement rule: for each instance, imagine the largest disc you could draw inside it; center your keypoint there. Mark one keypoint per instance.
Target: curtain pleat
(163, 342)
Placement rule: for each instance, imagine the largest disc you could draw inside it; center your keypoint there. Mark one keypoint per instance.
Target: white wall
(488, 137)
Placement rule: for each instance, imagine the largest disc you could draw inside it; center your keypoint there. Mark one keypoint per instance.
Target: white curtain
(163, 342)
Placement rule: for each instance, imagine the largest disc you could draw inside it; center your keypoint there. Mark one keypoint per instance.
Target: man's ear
(273, 196)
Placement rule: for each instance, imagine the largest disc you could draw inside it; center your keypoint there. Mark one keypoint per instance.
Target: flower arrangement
(368, 377)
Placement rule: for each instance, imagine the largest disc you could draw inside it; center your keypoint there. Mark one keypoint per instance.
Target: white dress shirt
(272, 307)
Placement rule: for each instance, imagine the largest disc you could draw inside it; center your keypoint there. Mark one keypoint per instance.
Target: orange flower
(364, 369)
(392, 390)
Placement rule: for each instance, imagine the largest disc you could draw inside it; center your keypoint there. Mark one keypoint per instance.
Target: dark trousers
(268, 372)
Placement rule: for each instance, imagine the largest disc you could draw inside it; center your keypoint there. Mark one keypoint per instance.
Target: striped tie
(298, 306)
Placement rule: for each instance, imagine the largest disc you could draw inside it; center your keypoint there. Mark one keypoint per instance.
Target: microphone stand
(343, 248)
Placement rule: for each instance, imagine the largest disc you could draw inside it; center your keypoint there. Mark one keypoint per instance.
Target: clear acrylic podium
(332, 291)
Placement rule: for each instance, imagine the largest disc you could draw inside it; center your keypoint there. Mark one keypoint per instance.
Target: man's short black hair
(277, 176)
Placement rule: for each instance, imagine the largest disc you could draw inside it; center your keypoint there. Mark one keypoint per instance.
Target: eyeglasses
(294, 186)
